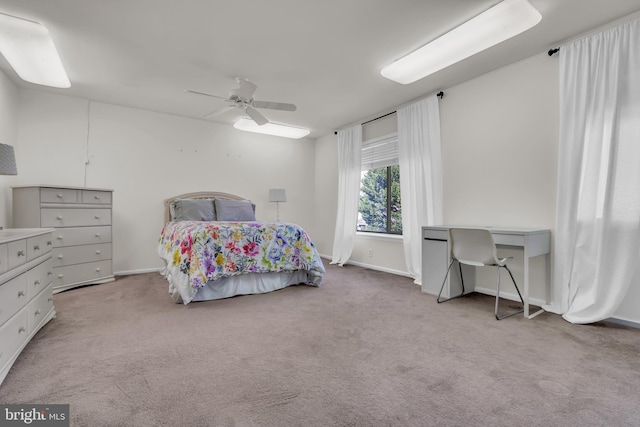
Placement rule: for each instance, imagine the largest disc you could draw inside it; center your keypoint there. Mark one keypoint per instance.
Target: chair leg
(498, 295)
(445, 281)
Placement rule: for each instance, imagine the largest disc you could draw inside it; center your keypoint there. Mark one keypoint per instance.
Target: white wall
(499, 141)
(8, 132)
(146, 157)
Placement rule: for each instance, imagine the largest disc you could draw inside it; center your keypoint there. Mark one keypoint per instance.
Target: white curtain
(420, 162)
(349, 166)
(597, 241)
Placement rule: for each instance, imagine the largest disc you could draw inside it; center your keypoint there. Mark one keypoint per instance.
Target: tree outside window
(380, 208)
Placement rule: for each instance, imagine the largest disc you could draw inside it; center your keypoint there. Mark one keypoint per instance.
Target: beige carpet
(365, 349)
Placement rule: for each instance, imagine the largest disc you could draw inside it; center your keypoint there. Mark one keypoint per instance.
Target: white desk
(436, 253)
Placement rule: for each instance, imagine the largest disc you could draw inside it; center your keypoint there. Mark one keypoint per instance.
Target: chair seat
(476, 247)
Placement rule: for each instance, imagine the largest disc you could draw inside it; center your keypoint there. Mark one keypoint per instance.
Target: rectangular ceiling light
(271, 129)
(29, 49)
(497, 24)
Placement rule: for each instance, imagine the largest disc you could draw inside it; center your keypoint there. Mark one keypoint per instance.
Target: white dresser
(26, 297)
(82, 247)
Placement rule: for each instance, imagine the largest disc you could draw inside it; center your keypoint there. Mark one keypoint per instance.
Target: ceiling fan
(242, 97)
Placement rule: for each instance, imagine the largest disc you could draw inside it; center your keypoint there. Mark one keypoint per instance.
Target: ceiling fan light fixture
(274, 129)
(29, 49)
(495, 25)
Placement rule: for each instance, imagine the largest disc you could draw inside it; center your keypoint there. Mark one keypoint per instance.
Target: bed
(213, 247)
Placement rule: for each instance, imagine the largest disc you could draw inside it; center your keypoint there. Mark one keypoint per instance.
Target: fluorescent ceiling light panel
(28, 47)
(271, 129)
(503, 21)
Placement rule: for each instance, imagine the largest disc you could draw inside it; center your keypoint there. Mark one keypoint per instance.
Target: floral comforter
(196, 252)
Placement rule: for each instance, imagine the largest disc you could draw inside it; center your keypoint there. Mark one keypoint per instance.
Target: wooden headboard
(197, 195)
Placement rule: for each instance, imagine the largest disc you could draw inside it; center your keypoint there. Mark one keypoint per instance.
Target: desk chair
(476, 247)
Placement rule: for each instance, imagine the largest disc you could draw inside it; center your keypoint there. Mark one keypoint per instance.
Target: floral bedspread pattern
(196, 252)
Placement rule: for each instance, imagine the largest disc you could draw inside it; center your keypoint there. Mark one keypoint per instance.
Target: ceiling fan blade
(274, 105)
(244, 90)
(219, 112)
(256, 116)
(206, 94)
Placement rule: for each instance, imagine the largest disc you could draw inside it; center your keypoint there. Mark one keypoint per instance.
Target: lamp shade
(277, 195)
(7, 160)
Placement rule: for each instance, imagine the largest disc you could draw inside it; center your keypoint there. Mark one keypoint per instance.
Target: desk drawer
(435, 234)
(75, 236)
(80, 254)
(508, 239)
(60, 217)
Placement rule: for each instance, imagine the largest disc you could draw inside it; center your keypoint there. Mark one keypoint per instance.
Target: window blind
(380, 152)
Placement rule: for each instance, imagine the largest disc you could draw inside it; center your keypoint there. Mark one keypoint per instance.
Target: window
(380, 208)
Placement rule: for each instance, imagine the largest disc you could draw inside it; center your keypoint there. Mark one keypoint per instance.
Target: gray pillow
(234, 210)
(193, 210)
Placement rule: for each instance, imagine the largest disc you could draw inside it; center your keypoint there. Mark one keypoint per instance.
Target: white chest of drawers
(26, 290)
(82, 247)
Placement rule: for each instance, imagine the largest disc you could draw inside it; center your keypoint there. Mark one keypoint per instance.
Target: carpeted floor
(365, 349)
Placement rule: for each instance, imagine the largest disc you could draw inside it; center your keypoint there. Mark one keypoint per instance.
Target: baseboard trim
(624, 322)
(141, 271)
(509, 296)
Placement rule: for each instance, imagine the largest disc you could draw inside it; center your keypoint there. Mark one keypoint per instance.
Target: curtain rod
(439, 95)
(552, 51)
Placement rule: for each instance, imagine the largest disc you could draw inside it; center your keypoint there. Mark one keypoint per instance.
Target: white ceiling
(324, 56)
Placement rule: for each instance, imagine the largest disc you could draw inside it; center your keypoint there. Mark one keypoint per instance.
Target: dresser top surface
(11, 234)
(65, 187)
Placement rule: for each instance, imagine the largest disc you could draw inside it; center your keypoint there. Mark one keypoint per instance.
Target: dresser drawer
(13, 334)
(61, 217)
(38, 246)
(81, 273)
(58, 195)
(98, 197)
(13, 296)
(16, 253)
(3, 258)
(39, 307)
(74, 236)
(39, 277)
(80, 254)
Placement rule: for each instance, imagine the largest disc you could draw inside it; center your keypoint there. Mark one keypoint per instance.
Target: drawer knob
(60, 276)
(97, 252)
(59, 218)
(49, 273)
(50, 299)
(98, 270)
(49, 243)
(97, 234)
(36, 283)
(37, 312)
(59, 196)
(21, 329)
(20, 294)
(97, 197)
(60, 256)
(97, 217)
(59, 237)
(20, 253)
(36, 248)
